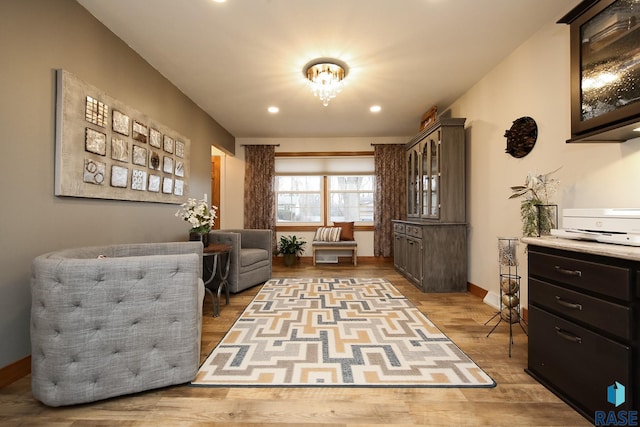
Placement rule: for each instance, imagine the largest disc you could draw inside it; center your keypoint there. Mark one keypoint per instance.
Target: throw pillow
(347, 230)
(327, 234)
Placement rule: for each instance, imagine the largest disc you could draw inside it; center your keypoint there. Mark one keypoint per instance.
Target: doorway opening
(216, 184)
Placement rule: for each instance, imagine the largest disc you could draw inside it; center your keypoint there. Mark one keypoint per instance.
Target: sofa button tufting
(59, 306)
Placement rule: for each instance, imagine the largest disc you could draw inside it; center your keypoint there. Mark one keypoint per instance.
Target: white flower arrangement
(198, 214)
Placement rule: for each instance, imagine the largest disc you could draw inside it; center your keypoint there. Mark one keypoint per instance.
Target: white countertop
(595, 248)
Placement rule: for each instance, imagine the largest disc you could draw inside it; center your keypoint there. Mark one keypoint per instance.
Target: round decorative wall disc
(521, 137)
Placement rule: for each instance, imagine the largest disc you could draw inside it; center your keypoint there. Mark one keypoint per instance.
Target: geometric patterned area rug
(320, 332)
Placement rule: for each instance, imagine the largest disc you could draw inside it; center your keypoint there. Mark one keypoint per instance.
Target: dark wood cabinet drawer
(398, 228)
(414, 231)
(576, 362)
(609, 280)
(609, 317)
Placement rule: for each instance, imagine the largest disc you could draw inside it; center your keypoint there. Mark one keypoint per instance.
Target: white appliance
(618, 226)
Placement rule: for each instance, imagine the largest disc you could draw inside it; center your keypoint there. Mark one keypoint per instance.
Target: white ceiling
(235, 59)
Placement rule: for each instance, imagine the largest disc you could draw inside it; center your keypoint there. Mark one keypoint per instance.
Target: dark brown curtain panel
(390, 195)
(259, 198)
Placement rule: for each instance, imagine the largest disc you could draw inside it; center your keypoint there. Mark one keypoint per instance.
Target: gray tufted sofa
(114, 320)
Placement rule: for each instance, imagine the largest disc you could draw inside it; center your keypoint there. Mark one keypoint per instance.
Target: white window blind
(333, 165)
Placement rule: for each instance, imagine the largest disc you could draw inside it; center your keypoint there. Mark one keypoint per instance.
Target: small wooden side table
(215, 251)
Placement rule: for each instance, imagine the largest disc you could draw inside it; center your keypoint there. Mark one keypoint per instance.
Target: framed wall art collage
(107, 150)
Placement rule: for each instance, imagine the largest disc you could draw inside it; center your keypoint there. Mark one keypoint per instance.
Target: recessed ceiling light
(375, 108)
(273, 110)
(219, 1)
(636, 130)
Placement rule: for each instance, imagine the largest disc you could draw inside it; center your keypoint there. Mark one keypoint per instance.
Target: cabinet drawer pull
(568, 304)
(568, 336)
(560, 270)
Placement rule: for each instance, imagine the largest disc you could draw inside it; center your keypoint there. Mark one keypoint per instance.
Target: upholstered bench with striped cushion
(328, 239)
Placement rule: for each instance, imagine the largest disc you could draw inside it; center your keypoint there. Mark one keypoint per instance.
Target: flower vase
(547, 219)
(199, 237)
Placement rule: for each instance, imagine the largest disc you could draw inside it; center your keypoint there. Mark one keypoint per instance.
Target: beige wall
(533, 81)
(36, 37)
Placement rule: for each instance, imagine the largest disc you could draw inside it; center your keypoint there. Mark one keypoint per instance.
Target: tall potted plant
(291, 248)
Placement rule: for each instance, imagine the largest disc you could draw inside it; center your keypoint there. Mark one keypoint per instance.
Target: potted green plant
(538, 214)
(290, 247)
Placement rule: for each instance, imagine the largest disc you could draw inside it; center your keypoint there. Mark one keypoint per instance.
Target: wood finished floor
(517, 400)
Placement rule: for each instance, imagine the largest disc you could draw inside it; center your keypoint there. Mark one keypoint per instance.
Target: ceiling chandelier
(325, 77)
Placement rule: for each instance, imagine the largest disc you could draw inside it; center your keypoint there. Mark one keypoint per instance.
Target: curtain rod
(259, 145)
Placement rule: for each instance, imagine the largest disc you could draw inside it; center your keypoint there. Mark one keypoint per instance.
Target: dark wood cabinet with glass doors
(430, 246)
(605, 68)
(436, 173)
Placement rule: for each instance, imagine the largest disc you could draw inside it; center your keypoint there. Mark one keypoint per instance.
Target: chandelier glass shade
(326, 79)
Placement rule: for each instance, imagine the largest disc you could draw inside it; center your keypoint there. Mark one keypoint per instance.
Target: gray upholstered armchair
(114, 320)
(251, 256)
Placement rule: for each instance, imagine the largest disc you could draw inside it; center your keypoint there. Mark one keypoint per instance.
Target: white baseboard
(492, 299)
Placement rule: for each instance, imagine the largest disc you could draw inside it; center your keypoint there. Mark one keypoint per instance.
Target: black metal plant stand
(509, 288)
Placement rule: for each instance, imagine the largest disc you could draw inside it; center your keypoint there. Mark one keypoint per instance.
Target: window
(299, 200)
(317, 190)
(303, 200)
(351, 198)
